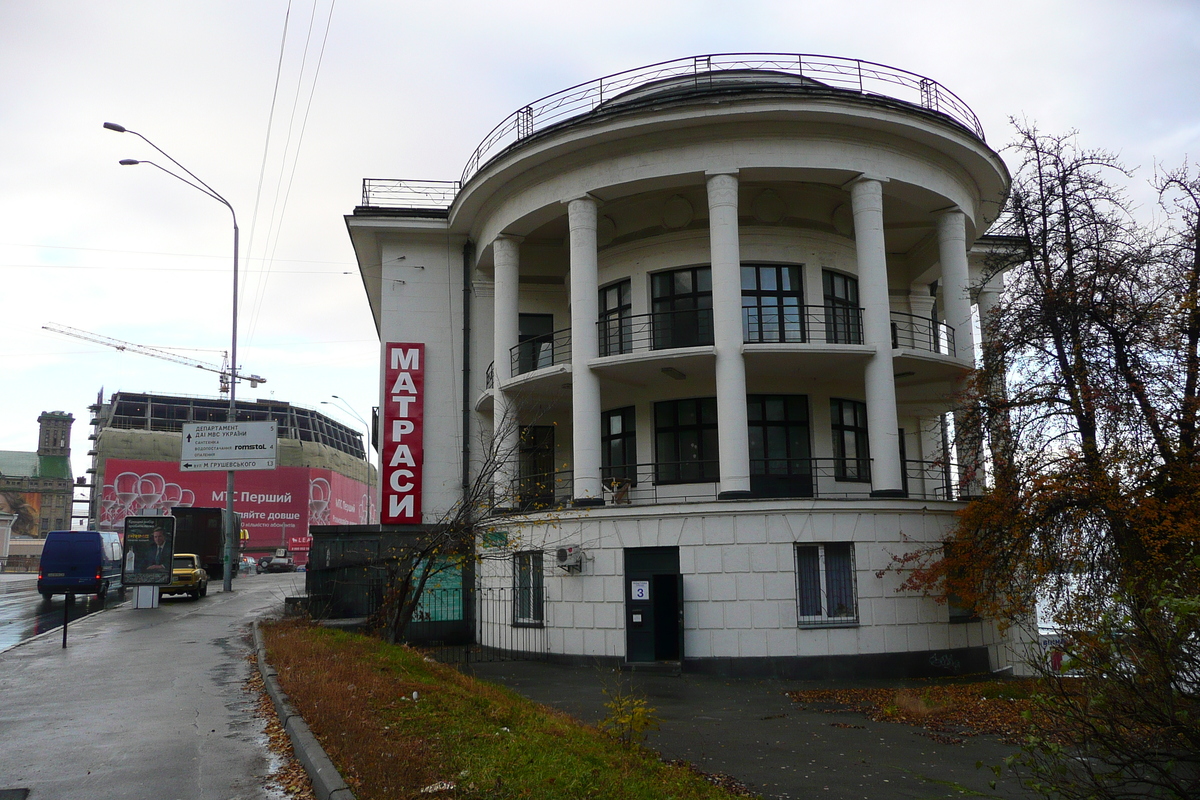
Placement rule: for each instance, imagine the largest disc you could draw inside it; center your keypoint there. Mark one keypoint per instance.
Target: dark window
(616, 329)
(780, 455)
(825, 589)
(618, 447)
(685, 441)
(843, 318)
(849, 424)
(536, 464)
(528, 588)
(536, 342)
(682, 304)
(772, 304)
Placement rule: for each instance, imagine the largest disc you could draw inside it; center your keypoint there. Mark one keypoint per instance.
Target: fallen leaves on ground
(289, 776)
(946, 711)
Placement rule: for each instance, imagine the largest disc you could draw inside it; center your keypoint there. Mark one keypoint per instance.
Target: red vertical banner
(403, 432)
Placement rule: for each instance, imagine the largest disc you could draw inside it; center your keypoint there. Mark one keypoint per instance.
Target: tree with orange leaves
(1089, 393)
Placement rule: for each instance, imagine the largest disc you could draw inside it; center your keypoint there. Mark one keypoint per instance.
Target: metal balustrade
(539, 352)
(802, 325)
(666, 330)
(661, 330)
(823, 73)
(697, 480)
(922, 333)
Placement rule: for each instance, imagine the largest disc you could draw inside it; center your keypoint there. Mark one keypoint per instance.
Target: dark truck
(202, 531)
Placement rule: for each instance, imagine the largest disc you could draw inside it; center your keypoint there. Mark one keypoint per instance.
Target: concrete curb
(326, 780)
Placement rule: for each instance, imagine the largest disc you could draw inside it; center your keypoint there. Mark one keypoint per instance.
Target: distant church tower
(55, 436)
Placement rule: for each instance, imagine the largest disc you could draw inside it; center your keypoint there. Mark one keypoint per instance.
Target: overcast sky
(407, 90)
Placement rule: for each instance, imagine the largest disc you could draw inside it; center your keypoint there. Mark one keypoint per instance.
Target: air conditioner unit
(570, 559)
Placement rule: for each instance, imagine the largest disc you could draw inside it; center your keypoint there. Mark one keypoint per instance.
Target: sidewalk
(144, 704)
(748, 729)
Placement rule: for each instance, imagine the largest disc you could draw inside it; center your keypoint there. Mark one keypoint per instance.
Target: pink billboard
(277, 506)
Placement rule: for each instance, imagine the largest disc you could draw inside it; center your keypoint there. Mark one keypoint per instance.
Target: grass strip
(399, 725)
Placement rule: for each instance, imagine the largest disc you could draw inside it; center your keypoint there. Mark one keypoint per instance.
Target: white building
(728, 301)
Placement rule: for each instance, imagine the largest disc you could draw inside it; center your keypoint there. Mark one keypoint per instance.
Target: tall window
(825, 587)
(772, 304)
(536, 465)
(780, 458)
(852, 461)
(843, 318)
(685, 441)
(528, 589)
(536, 342)
(682, 304)
(618, 447)
(616, 329)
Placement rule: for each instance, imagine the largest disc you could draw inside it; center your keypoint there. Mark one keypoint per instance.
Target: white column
(506, 334)
(732, 429)
(952, 252)
(866, 198)
(585, 346)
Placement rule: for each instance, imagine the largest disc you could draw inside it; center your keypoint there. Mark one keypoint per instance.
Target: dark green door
(653, 605)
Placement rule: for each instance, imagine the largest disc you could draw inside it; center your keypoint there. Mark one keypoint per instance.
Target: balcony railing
(802, 324)
(540, 352)
(388, 193)
(697, 481)
(922, 333)
(829, 73)
(666, 330)
(661, 330)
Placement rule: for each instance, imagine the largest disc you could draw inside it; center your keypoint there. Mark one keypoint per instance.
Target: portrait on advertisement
(149, 548)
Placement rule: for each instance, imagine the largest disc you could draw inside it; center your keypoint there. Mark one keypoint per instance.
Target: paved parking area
(750, 730)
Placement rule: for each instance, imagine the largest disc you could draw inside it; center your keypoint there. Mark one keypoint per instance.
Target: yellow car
(187, 576)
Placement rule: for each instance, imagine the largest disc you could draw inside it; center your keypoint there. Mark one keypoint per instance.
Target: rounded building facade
(710, 317)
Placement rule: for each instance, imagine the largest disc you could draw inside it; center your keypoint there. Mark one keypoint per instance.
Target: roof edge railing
(848, 74)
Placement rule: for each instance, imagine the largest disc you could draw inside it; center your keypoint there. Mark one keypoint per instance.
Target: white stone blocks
(722, 587)
(737, 615)
(752, 644)
(749, 586)
(735, 558)
(719, 530)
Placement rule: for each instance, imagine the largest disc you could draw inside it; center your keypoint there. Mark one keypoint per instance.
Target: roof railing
(855, 75)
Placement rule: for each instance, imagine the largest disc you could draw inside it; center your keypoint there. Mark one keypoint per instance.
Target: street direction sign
(225, 446)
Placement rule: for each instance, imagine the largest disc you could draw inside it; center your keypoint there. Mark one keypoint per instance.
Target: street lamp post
(344, 406)
(231, 532)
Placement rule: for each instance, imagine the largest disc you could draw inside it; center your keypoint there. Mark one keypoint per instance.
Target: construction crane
(222, 370)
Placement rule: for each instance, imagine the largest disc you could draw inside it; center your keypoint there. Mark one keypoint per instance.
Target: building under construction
(322, 474)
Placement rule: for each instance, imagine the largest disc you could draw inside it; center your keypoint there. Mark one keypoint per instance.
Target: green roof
(55, 467)
(19, 464)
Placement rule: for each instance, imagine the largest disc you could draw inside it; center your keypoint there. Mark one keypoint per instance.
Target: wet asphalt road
(143, 704)
(24, 614)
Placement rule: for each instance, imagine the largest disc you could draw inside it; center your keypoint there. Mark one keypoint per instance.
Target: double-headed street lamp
(231, 532)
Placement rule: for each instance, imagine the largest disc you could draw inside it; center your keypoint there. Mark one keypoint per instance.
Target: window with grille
(852, 462)
(528, 588)
(772, 303)
(825, 585)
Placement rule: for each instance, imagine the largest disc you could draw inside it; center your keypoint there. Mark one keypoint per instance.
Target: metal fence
(498, 633)
(829, 73)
